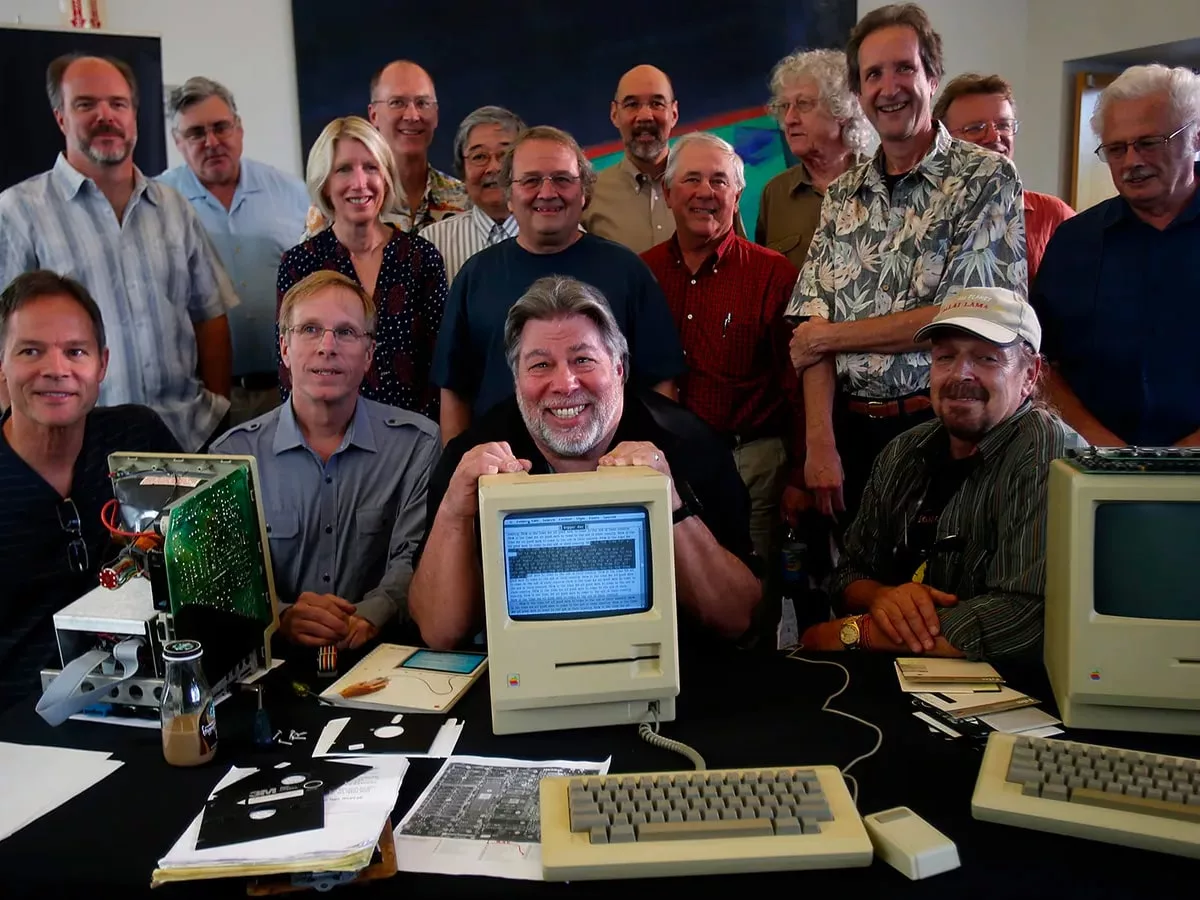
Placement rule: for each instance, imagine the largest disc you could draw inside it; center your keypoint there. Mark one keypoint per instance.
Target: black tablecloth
(738, 709)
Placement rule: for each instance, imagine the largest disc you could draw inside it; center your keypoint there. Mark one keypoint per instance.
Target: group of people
(906, 344)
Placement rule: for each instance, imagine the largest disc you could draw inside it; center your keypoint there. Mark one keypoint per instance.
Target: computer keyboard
(699, 823)
(1120, 796)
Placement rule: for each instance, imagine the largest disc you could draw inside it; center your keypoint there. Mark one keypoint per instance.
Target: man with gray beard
(572, 412)
(136, 245)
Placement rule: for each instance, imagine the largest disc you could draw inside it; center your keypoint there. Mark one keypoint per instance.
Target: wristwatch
(851, 632)
(689, 503)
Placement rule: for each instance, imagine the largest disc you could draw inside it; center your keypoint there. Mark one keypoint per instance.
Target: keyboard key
(1169, 809)
(677, 831)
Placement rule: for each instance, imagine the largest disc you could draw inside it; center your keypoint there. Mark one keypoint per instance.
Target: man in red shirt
(727, 296)
(979, 109)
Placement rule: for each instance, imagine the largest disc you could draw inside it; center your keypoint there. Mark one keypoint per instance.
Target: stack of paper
(354, 819)
(36, 780)
(947, 676)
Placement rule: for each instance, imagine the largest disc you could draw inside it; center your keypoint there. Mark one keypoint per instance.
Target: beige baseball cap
(994, 314)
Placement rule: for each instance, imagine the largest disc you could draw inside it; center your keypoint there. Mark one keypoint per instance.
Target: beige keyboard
(699, 823)
(1122, 797)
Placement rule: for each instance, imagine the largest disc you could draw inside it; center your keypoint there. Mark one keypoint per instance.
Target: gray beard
(107, 159)
(647, 152)
(579, 441)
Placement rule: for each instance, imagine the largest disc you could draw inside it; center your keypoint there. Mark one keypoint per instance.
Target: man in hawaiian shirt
(926, 216)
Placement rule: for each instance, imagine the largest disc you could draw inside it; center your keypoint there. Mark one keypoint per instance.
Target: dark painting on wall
(24, 55)
(555, 63)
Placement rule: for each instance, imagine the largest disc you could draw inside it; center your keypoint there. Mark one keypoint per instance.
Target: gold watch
(851, 632)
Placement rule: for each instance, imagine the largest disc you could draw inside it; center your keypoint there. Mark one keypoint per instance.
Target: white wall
(246, 45)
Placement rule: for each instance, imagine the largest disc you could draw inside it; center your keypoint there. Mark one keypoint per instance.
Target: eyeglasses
(68, 519)
(633, 104)
(198, 134)
(1115, 151)
(312, 333)
(561, 181)
(779, 108)
(399, 104)
(481, 158)
(1004, 127)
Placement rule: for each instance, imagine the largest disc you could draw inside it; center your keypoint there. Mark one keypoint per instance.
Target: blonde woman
(351, 179)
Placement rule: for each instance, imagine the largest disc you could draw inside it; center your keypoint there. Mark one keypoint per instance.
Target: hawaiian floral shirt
(956, 220)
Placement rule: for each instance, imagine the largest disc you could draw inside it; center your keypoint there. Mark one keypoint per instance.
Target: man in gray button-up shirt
(343, 478)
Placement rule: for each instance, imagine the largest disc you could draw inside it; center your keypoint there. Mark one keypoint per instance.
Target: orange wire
(108, 520)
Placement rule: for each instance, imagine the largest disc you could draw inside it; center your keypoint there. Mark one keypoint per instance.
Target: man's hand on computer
(641, 453)
(907, 614)
(462, 494)
(316, 620)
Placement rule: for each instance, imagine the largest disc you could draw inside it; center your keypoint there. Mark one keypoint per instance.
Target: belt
(887, 409)
(257, 381)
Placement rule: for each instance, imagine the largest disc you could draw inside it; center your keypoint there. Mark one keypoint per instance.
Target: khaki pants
(245, 405)
(763, 467)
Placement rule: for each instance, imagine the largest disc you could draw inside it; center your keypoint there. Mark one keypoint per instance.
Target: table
(737, 708)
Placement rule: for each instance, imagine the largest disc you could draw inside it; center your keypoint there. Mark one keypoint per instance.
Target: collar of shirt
(937, 441)
(71, 181)
(248, 183)
(932, 167)
(1119, 209)
(289, 437)
(486, 223)
(714, 258)
(640, 178)
(436, 184)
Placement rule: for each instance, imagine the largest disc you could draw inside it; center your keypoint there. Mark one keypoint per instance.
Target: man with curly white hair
(826, 130)
(1117, 287)
(925, 216)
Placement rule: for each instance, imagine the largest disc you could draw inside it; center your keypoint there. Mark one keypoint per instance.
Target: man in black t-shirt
(54, 448)
(573, 412)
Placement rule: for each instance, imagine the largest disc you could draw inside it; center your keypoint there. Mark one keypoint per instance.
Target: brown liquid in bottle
(183, 743)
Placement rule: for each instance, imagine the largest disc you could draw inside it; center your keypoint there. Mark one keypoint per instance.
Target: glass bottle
(189, 715)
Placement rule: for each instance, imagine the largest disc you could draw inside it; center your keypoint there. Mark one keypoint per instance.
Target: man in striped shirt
(479, 147)
(947, 555)
(137, 246)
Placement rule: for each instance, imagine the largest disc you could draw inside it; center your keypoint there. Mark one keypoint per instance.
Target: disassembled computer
(195, 563)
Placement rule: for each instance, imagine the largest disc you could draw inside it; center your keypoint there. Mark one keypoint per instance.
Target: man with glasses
(548, 181)
(479, 147)
(252, 212)
(342, 478)
(980, 109)
(404, 109)
(54, 447)
(627, 204)
(1118, 286)
(138, 247)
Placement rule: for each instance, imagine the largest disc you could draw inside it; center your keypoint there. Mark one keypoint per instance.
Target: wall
(245, 44)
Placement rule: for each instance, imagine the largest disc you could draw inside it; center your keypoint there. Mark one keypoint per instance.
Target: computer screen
(579, 598)
(576, 563)
(1122, 601)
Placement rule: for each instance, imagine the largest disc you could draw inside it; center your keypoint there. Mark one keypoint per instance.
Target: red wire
(108, 520)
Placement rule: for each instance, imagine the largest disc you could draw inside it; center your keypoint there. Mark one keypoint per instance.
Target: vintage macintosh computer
(1122, 651)
(1122, 595)
(579, 594)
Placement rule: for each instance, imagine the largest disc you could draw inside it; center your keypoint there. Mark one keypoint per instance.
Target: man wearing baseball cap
(947, 555)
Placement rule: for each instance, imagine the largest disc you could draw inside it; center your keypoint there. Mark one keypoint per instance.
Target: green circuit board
(213, 550)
